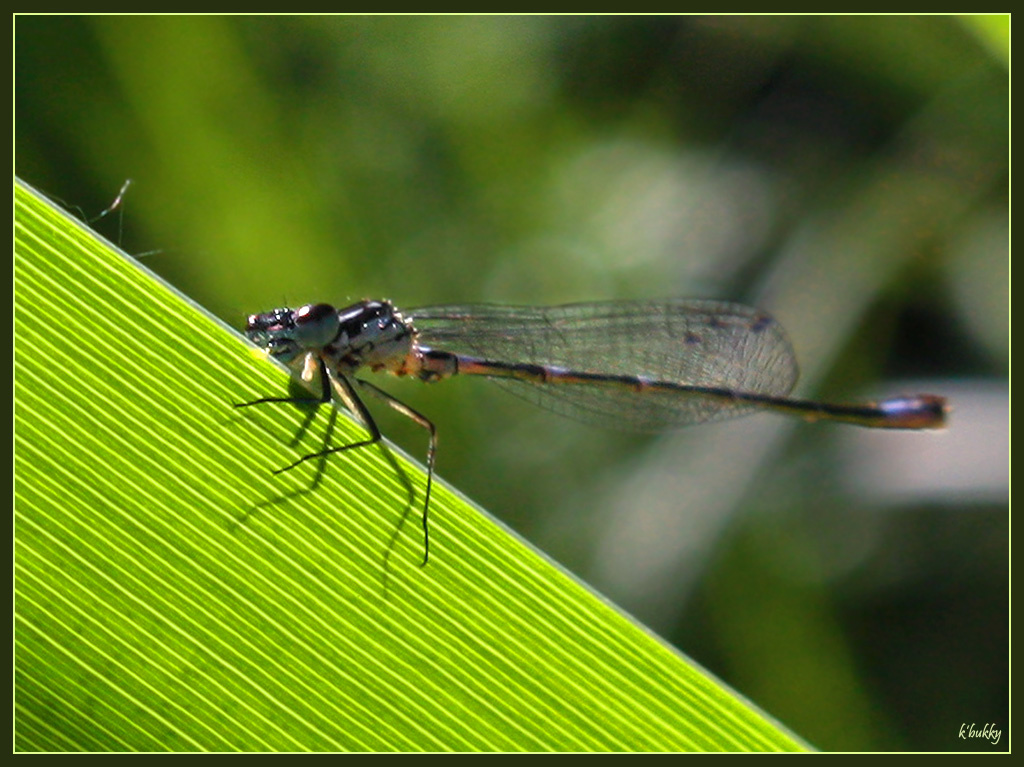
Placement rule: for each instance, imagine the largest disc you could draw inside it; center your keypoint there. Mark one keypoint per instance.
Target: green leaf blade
(173, 594)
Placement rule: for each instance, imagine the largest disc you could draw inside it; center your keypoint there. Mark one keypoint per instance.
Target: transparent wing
(688, 343)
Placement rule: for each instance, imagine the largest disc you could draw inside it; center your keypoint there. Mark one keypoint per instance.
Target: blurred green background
(849, 174)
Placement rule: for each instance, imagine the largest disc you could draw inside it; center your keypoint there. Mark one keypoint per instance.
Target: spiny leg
(351, 401)
(355, 405)
(426, 423)
(323, 399)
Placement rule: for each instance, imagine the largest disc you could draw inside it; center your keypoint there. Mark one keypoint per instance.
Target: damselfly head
(286, 333)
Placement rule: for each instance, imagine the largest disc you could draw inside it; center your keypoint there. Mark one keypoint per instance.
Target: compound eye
(316, 325)
(314, 314)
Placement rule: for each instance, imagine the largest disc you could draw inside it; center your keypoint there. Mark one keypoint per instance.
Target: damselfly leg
(347, 394)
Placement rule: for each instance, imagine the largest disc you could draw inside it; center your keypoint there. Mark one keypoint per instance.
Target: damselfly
(644, 365)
